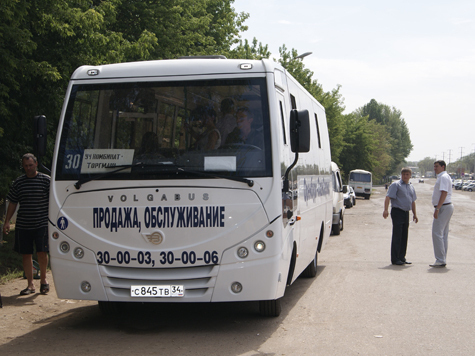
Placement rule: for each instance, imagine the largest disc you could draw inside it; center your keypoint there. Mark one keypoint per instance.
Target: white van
(338, 200)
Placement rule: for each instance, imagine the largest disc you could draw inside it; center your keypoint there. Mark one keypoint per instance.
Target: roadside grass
(11, 266)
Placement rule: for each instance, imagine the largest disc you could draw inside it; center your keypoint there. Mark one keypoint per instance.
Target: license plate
(157, 291)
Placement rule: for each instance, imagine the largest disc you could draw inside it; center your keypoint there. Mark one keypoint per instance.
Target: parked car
(469, 187)
(349, 196)
(421, 180)
(465, 184)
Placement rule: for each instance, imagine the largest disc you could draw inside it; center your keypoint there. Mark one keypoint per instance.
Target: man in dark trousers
(31, 191)
(403, 199)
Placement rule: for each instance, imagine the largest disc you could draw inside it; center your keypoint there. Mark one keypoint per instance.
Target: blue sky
(417, 56)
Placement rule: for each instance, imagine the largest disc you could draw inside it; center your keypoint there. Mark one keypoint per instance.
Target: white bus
(150, 202)
(362, 182)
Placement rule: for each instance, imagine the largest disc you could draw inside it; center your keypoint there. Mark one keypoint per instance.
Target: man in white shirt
(442, 201)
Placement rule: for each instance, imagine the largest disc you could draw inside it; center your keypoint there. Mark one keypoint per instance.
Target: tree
(365, 146)
(391, 118)
(465, 165)
(246, 51)
(426, 165)
(43, 41)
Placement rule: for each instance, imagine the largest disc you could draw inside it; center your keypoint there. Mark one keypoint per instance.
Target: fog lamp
(78, 252)
(64, 247)
(259, 246)
(242, 252)
(236, 287)
(86, 286)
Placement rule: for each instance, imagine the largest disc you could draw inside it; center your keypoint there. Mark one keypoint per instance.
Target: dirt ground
(358, 305)
(22, 314)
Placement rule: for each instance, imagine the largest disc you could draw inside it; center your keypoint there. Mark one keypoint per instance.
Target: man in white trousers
(442, 201)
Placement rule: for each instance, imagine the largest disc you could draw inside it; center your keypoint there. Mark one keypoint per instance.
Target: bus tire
(367, 196)
(311, 270)
(338, 227)
(270, 308)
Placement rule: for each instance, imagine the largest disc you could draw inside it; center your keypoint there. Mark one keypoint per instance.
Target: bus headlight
(259, 246)
(78, 252)
(64, 247)
(242, 252)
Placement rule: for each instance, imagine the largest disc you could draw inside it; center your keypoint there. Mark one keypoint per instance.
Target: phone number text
(165, 258)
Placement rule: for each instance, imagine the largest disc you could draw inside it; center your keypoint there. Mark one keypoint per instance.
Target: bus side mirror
(345, 189)
(299, 131)
(39, 143)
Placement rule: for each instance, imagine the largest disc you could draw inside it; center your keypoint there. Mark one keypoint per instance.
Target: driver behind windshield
(245, 132)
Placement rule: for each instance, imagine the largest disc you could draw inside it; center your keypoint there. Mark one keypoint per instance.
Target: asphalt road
(359, 304)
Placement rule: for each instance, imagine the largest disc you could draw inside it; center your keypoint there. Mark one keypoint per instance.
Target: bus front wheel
(311, 270)
(270, 308)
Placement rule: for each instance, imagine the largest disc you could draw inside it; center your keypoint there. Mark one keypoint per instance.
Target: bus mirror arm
(285, 188)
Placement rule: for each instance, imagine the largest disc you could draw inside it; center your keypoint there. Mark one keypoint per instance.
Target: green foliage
(391, 118)
(366, 146)
(43, 41)
(465, 164)
(246, 51)
(374, 137)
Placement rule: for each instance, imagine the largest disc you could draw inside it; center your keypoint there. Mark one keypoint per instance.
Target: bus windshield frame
(155, 129)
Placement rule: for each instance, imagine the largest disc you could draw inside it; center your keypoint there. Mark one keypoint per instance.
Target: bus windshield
(216, 127)
(360, 177)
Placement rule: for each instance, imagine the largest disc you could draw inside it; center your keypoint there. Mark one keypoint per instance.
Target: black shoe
(408, 263)
(398, 263)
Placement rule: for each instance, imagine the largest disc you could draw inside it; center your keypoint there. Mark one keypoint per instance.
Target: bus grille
(198, 281)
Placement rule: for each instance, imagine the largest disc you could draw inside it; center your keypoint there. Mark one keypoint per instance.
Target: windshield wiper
(175, 168)
(249, 182)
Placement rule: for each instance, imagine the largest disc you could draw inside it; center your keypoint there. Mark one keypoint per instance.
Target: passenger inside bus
(245, 131)
(203, 129)
(227, 122)
(148, 148)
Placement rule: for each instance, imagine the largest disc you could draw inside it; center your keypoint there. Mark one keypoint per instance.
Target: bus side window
(293, 102)
(283, 121)
(318, 132)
